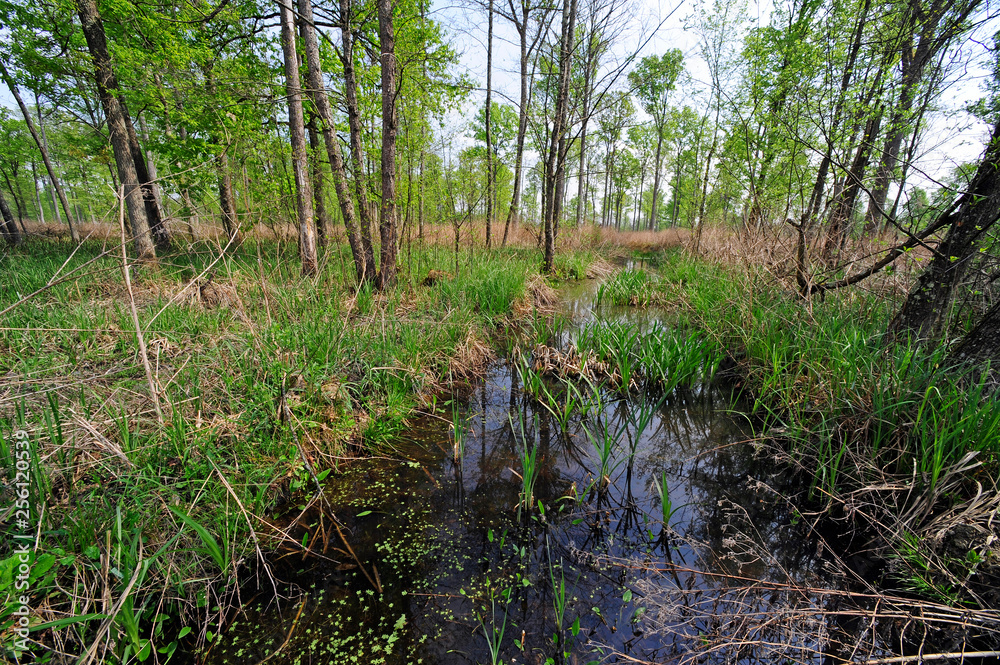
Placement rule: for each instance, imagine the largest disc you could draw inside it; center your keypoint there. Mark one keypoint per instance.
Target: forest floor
(153, 474)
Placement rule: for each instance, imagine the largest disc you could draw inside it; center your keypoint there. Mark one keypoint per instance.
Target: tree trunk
(490, 175)
(420, 190)
(323, 222)
(914, 61)
(157, 229)
(554, 165)
(982, 344)
(925, 312)
(657, 166)
(843, 209)
(227, 200)
(10, 232)
(42, 148)
(513, 213)
(354, 123)
(390, 125)
(118, 123)
(300, 155)
(156, 199)
(45, 144)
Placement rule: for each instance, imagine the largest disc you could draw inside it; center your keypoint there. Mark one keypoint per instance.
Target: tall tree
(524, 15)
(926, 28)
(118, 123)
(42, 148)
(490, 172)
(354, 125)
(300, 155)
(390, 125)
(653, 80)
(555, 163)
(364, 263)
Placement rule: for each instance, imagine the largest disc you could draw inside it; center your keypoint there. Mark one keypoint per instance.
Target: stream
(680, 547)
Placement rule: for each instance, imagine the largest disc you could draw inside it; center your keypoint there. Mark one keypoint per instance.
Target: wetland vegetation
(490, 466)
(316, 349)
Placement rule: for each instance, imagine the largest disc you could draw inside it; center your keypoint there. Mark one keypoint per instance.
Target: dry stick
(374, 582)
(933, 656)
(153, 392)
(290, 631)
(89, 653)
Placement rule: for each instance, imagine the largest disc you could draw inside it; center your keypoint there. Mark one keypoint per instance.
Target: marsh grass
(888, 432)
(824, 373)
(267, 379)
(626, 288)
(528, 453)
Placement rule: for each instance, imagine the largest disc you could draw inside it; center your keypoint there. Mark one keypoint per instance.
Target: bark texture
(118, 127)
(925, 312)
(297, 133)
(364, 262)
(9, 226)
(390, 126)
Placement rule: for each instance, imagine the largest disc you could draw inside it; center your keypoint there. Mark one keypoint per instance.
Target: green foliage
(825, 379)
(275, 365)
(653, 79)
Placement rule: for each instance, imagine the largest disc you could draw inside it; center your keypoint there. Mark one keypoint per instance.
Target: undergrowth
(265, 380)
(825, 376)
(893, 436)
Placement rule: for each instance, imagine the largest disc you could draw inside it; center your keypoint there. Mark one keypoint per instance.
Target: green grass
(826, 375)
(277, 381)
(627, 287)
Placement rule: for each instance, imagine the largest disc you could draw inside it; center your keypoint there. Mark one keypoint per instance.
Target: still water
(677, 546)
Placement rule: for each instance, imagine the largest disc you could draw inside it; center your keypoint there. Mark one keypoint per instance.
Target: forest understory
(174, 416)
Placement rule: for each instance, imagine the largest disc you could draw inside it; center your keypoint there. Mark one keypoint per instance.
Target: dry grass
(772, 250)
(732, 600)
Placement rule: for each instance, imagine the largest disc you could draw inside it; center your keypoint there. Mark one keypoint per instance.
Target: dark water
(470, 572)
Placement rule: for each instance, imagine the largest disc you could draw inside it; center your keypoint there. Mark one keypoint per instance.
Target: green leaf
(211, 544)
(627, 596)
(67, 621)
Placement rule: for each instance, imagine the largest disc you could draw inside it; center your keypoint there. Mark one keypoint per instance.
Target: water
(440, 559)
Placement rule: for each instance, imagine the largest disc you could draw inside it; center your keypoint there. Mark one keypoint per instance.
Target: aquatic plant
(627, 287)
(529, 463)
(604, 441)
(615, 343)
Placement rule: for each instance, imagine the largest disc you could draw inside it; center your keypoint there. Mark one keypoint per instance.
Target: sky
(953, 137)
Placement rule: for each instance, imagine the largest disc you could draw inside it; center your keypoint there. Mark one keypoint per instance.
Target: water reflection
(588, 571)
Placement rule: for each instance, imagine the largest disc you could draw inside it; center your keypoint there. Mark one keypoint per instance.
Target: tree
(300, 154)
(74, 234)
(118, 123)
(611, 121)
(9, 227)
(354, 125)
(926, 29)
(523, 15)
(363, 260)
(490, 172)
(653, 80)
(925, 312)
(390, 125)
